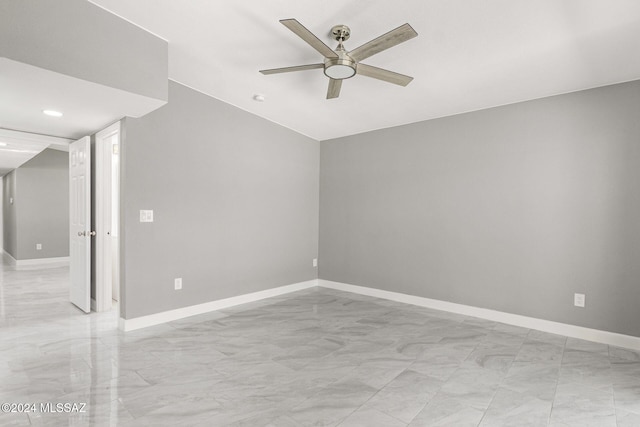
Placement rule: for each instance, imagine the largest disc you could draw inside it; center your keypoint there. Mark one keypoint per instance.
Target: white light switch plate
(146, 216)
(315, 262)
(38, 246)
(578, 300)
(177, 283)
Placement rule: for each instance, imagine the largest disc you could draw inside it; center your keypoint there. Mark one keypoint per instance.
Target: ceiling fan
(339, 64)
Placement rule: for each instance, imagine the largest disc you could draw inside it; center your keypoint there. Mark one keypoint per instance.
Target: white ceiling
(16, 148)
(469, 55)
(87, 107)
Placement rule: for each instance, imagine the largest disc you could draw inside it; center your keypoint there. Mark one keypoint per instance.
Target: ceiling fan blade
(334, 88)
(290, 69)
(382, 74)
(309, 37)
(385, 41)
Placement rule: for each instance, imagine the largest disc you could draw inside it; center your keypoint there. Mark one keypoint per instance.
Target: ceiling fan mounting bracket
(340, 32)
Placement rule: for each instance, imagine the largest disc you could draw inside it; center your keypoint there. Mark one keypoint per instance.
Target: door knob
(92, 233)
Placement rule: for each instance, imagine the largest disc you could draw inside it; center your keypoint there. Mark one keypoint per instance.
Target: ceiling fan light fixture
(339, 69)
(340, 72)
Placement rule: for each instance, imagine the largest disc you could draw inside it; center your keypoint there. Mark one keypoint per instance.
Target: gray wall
(9, 215)
(512, 208)
(80, 39)
(235, 201)
(40, 213)
(1, 214)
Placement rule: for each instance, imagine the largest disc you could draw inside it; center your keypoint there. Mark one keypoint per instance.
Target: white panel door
(80, 222)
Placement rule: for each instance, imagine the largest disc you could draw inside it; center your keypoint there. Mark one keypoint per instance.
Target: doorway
(106, 254)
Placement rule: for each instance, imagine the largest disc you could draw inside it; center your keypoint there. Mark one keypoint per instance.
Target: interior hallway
(316, 357)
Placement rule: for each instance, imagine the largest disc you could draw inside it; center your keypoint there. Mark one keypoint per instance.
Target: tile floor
(312, 358)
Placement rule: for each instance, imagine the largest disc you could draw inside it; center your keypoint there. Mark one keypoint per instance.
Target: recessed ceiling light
(52, 113)
(258, 98)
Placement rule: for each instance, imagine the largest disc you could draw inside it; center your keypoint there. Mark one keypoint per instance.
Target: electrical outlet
(146, 216)
(177, 283)
(38, 246)
(578, 300)
(315, 262)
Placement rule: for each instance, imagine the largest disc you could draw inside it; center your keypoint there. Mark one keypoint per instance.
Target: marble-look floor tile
(332, 404)
(472, 385)
(625, 374)
(509, 408)
(511, 329)
(539, 352)
(379, 371)
(588, 346)
(595, 375)
(14, 419)
(504, 339)
(531, 378)
(414, 346)
(370, 417)
(627, 419)
(159, 397)
(405, 396)
(623, 355)
(492, 356)
(109, 414)
(546, 337)
(577, 405)
(483, 323)
(309, 358)
(441, 361)
(627, 397)
(282, 421)
(444, 411)
(462, 335)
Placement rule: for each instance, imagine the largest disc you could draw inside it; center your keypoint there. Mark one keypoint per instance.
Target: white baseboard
(36, 262)
(180, 313)
(64, 260)
(605, 337)
(8, 258)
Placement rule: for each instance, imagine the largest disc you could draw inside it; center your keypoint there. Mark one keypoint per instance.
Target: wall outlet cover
(38, 246)
(146, 216)
(315, 262)
(578, 300)
(177, 283)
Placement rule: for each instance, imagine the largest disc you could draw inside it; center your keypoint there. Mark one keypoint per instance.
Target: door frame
(104, 259)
